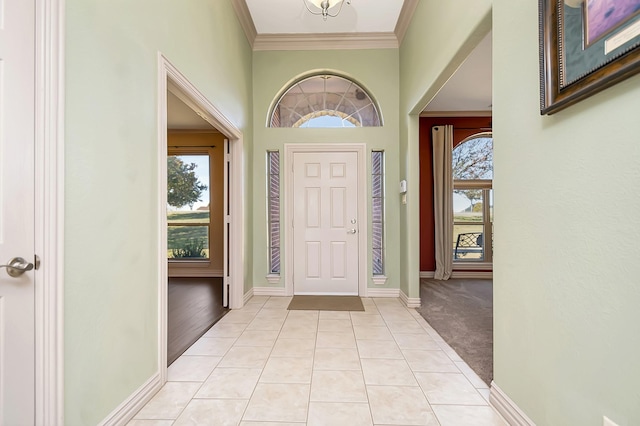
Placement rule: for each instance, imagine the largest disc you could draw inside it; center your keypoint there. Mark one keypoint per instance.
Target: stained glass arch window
(325, 100)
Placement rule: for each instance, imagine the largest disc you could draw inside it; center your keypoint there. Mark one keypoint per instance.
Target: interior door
(17, 143)
(325, 252)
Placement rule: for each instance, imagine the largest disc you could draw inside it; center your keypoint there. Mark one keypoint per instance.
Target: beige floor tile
(211, 346)
(331, 413)
(150, 423)
(387, 372)
(192, 368)
(270, 314)
(485, 392)
(335, 315)
(278, 403)
(360, 318)
(310, 316)
(416, 341)
(169, 402)
(342, 325)
(332, 339)
(238, 317)
(260, 300)
(370, 310)
(429, 361)
(338, 386)
(250, 308)
(471, 375)
(266, 324)
(257, 338)
(212, 412)
(367, 332)
(388, 302)
(245, 357)
(336, 359)
(226, 330)
(449, 388)
(294, 348)
(381, 349)
(270, 424)
(230, 383)
(397, 405)
(287, 370)
(405, 327)
(277, 303)
(459, 415)
(395, 315)
(293, 329)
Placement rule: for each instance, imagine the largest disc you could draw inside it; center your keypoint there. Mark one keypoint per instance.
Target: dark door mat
(326, 303)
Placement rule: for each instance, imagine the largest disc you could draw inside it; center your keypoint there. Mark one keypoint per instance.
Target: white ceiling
(292, 17)
(467, 91)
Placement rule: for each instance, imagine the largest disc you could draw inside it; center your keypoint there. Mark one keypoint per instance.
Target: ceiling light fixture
(324, 6)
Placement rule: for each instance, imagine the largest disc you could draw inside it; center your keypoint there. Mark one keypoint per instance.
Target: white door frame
(360, 149)
(170, 78)
(49, 212)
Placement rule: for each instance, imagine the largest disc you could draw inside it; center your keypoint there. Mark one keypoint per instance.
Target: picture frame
(585, 47)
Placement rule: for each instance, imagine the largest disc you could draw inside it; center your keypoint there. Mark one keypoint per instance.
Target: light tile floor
(265, 365)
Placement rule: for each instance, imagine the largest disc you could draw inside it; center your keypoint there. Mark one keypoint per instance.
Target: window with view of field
(188, 213)
(472, 167)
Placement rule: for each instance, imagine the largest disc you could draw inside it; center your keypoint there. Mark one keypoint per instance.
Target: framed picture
(585, 46)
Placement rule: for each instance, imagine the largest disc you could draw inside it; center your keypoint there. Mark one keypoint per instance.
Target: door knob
(351, 231)
(17, 266)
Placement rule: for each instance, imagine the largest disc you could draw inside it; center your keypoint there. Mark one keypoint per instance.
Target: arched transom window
(325, 100)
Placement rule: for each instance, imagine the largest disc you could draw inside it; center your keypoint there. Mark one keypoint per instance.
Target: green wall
(440, 37)
(566, 286)
(111, 202)
(377, 71)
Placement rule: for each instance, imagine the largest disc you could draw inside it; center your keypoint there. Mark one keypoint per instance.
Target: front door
(325, 226)
(17, 143)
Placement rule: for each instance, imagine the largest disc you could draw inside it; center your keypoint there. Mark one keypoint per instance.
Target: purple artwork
(604, 16)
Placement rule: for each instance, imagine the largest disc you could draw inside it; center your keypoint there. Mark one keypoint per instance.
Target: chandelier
(324, 6)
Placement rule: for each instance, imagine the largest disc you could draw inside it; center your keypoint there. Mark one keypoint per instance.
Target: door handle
(352, 231)
(17, 266)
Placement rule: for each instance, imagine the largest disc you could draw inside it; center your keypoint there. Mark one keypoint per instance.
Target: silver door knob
(351, 231)
(17, 266)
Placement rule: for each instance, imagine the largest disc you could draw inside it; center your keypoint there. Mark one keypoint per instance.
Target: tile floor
(265, 365)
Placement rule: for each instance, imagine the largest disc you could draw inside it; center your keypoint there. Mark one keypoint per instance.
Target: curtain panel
(442, 138)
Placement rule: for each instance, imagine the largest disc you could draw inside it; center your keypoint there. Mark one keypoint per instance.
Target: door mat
(326, 303)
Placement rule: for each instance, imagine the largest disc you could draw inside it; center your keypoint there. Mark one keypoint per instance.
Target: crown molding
(246, 22)
(404, 20)
(325, 41)
(456, 113)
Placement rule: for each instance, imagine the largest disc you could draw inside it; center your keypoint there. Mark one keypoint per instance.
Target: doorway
(325, 201)
(212, 263)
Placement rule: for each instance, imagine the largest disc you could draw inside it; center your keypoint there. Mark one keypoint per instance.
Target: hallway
(264, 363)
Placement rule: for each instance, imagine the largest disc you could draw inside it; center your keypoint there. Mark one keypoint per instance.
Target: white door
(325, 228)
(17, 293)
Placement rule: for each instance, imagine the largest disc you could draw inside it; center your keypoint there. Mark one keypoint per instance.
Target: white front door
(17, 143)
(325, 223)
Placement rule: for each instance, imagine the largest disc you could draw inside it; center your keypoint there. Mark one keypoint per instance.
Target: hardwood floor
(194, 305)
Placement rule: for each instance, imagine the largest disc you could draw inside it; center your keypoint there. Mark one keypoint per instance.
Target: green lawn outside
(181, 237)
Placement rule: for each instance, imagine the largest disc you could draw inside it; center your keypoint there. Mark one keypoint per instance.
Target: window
(377, 211)
(188, 200)
(325, 100)
(472, 167)
(273, 207)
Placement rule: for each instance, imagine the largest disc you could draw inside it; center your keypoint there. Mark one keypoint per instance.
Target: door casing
(170, 78)
(289, 151)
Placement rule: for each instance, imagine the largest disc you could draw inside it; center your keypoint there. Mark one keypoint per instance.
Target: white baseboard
(383, 292)
(248, 295)
(410, 302)
(129, 407)
(507, 408)
(427, 274)
(472, 274)
(269, 291)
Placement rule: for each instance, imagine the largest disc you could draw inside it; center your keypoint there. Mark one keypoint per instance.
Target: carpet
(461, 311)
(326, 303)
